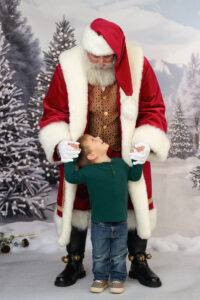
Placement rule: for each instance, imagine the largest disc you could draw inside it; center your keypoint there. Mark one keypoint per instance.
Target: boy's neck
(101, 159)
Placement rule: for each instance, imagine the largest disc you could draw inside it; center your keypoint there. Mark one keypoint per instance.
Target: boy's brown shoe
(117, 287)
(98, 286)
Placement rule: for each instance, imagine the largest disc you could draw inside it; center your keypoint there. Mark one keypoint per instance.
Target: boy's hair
(82, 159)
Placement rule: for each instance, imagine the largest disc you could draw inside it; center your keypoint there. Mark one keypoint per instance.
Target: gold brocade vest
(104, 115)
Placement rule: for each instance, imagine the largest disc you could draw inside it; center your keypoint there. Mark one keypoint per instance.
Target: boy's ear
(91, 156)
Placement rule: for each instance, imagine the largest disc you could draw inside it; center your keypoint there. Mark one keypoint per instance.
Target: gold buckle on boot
(76, 257)
(143, 256)
(131, 257)
(148, 256)
(66, 259)
(140, 257)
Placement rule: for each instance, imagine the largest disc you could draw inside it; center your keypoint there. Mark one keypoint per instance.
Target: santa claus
(107, 88)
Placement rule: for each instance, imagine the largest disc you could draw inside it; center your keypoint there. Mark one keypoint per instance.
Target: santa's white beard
(96, 75)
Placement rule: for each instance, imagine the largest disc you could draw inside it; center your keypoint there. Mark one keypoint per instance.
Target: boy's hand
(68, 150)
(139, 153)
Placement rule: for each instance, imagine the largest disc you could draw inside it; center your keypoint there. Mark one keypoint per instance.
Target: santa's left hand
(139, 156)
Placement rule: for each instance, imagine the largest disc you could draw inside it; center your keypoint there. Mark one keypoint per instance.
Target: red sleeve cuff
(56, 157)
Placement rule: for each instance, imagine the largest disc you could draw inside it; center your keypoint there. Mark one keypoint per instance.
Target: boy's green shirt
(107, 185)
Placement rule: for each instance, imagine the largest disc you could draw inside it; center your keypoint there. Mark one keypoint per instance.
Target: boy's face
(96, 145)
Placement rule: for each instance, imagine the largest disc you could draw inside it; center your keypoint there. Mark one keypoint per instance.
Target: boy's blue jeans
(109, 242)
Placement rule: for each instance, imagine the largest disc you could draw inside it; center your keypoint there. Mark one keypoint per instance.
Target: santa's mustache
(106, 66)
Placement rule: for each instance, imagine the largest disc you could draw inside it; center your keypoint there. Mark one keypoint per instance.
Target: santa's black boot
(138, 257)
(74, 269)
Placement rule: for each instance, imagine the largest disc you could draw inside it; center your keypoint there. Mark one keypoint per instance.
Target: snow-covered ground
(29, 273)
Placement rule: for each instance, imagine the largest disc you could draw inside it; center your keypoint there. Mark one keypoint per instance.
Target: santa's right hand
(67, 151)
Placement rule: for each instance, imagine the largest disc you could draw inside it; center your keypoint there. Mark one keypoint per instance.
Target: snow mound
(46, 241)
(174, 243)
(160, 66)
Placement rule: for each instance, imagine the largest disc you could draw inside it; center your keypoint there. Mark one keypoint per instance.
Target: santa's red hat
(104, 38)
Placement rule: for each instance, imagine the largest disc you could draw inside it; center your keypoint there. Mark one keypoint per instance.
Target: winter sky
(166, 29)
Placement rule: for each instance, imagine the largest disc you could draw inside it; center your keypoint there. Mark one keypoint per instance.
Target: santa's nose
(101, 62)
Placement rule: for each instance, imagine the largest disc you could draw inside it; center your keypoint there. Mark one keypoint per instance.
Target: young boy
(107, 183)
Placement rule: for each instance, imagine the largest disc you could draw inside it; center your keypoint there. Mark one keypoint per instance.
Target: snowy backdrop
(32, 35)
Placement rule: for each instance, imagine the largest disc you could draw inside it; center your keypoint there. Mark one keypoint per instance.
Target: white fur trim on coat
(58, 222)
(71, 62)
(137, 190)
(51, 135)
(80, 220)
(129, 104)
(131, 220)
(65, 231)
(157, 140)
(153, 217)
(94, 43)
(139, 199)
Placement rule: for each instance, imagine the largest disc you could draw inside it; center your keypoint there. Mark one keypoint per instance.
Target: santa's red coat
(142, 119)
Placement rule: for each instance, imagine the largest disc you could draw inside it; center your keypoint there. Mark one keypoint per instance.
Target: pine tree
(35, 106)
(189, 93)
(22, 187)
(63, 39)
(24, 53)
(181, 139)
(196, 177)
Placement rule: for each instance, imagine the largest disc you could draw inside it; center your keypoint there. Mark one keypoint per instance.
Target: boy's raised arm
(135, 172)
(72, 175)
(138, 157)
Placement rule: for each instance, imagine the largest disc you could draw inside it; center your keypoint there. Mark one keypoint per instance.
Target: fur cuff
(51, 135)
(80, 219)
(157, 140)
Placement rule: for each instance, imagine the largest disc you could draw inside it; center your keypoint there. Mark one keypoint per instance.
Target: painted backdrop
(169, 33)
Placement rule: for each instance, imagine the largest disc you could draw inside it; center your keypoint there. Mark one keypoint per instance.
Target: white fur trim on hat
(95, 44)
